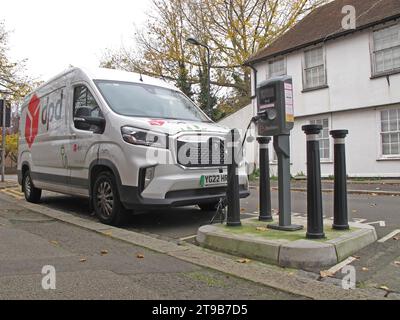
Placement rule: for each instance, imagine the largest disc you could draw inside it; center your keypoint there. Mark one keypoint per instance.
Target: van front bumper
(131, 198)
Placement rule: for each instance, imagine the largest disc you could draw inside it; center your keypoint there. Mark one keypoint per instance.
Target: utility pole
(3, 108)
(3, 140)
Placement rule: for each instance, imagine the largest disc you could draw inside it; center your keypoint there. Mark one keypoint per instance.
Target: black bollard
(315, 223)
(340, 211)
(265, 184)
(232, 191)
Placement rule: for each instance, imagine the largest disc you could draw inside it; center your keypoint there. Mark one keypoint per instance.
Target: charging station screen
(267, 98)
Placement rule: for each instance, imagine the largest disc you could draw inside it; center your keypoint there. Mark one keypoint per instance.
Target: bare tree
(233, 29)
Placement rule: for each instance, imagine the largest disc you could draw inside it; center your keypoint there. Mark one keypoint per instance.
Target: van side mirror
(86, 123)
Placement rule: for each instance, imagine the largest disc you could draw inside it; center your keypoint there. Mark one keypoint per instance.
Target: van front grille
(201, 154)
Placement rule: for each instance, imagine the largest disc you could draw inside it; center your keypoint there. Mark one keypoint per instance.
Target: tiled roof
(325, 23)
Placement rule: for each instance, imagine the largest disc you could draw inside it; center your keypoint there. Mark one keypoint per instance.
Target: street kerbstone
(348, 244)
(307, 255)
(243, 245)
(151, 243)
(303, 254)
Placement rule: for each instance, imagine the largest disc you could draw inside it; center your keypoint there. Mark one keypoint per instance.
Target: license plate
(213, 179)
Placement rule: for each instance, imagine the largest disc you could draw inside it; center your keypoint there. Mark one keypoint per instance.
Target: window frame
(272, 61)
(322, 118)
(374, 72)
(73, 87)
(304, 69)
(381, 155)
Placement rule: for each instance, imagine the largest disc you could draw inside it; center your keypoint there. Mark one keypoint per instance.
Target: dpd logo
(32, 120)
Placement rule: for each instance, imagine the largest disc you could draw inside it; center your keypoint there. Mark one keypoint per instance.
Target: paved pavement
(93, 266)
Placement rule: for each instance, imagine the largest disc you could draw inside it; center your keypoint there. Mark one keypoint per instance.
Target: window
(276, 68)
(273, 156)
(85, 106)
(390, 132)
(314, 68)
(324, 143)
(386, 53)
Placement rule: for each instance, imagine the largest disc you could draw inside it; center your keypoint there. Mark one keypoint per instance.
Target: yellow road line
(14, 195)
(16, 192)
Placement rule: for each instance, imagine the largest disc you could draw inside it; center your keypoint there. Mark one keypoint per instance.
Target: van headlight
(145, 138)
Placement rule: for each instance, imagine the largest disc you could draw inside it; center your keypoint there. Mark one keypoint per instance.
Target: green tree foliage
(11, 146)
(183, 80)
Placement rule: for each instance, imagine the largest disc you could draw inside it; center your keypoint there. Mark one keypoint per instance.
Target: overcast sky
(52, 34)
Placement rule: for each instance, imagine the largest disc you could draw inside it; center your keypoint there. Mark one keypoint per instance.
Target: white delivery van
(126, 141)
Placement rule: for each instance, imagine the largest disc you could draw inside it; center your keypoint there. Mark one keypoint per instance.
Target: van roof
(118, 75)
(110, 74)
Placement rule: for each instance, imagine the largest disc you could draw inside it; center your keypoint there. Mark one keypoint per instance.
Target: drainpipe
(255, 79)
(253, 96)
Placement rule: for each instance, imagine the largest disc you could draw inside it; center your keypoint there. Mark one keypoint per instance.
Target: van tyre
(209, 206)
(106, 202)
(32, 194)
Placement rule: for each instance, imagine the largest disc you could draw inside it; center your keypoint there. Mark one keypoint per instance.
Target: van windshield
(141, 100)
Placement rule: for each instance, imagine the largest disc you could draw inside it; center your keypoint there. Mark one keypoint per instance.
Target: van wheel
(106, 202)
(208, 206)
(31, 193)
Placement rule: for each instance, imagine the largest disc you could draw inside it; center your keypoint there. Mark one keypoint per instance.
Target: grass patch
(251, 229)
(361, 179)
(255, 176)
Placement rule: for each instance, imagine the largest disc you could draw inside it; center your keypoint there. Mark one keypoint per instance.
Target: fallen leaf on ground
(243, 260)
(396, 238)
(356, 257)
(242, 210)
(104, 252)
(140, 256)
(397, 263)
(326, 273)
(364, 269)
(354, 211)
(82, 260)
(374, 194)
(384, 288)
(108, 233)
(261, 229)
(54, 242)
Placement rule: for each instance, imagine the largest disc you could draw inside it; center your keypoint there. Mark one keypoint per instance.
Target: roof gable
(325, 23)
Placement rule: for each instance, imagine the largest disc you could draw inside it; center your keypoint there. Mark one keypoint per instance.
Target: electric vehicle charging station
(275, 118)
